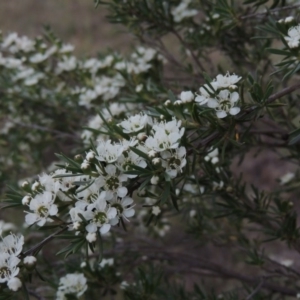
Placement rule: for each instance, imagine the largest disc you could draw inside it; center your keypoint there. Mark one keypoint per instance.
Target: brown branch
(45, 241)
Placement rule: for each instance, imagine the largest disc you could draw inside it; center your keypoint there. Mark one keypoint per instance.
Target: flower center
(118, 207)
(112, 183)
(100, 218)
(225, 105)
(43, 211)
(4, 272)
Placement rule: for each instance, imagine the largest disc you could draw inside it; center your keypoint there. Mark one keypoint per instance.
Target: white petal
(126, 201)
(105, 228)
(221, 114)
(91, 227)
(122, 191)
(111, 213)
(234, 111)
(212, 103)
(129, 213)
(53, 210)
(234, 97)
(31, 219)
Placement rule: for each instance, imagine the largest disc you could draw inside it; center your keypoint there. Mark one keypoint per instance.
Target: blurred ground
(77, 22)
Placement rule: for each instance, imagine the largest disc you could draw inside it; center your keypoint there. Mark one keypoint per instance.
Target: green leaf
(294, 137)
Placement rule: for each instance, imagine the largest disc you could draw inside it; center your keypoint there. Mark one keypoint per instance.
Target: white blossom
(112, 182)
(72, 284)
(134, 123)
(225, 103)
(174, 161)
(14, 284)
(99, 215)
(124, 208)
(187, 96)
(182, 11)
(293, 37)
(108, 152)
(12, 244)
(156, 210)
(42, 206)
(8, 266)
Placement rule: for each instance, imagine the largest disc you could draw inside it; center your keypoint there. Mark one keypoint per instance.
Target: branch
(269, 11)
(45, 241)
(256, 290)
(284, 92)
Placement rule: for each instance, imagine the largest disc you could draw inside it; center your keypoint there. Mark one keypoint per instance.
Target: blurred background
(77, 22)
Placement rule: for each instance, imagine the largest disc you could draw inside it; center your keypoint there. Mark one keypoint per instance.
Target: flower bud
(154, 180)
(168, 102)
(152, 154)
(25, 184)
(90, 156)
(26, 200)
(35, 186)
(156, 161)
(91, 237)
(14, 284)
(78, 157)
(29, 262)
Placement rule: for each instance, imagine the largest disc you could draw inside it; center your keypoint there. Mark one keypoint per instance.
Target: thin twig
(196, 60)
(45, 241)
(42, 128)
(256, 290)
(269, 11)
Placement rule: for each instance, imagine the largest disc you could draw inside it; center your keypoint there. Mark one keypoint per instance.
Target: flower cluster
(52, 81)
(71, 285)
(10, 248)
(99, 197)
(220, 95)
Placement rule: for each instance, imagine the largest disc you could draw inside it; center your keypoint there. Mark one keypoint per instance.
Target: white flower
(50, 184)
(14, 284)
(187, 96)
(205, 92)
(68, 64)
(108, 152)
(124, 209)
(66, 48)
(111, 182)
(29, 260)
(156, 210)
(42, 206)
(8, 266)
(225, 103)
(125, 162)
(288, 19)
(91, 237)
(286, 178)
(212, 156)
(74, 284)
(227, 80)
(26, 200)
(106, 262)
(174, 161)
(293, 37)
(154, 180)
(12, 244)
(134, 123)
(99, 214)
(181, 11)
